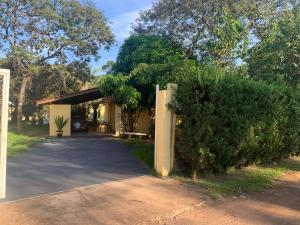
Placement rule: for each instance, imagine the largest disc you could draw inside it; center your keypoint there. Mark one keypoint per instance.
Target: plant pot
(59, 133)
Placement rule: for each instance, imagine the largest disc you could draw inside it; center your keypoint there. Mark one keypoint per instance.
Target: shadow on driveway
(61, 164)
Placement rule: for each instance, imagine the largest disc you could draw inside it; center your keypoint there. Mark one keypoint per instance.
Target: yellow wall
(59, 110)
(103, 112)
(117, 120)
(143, 123)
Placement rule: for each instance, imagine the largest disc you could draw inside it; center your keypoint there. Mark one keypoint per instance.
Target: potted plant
(60, 123)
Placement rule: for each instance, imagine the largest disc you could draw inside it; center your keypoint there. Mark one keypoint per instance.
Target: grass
(143, 151)
(248, 180)
(18, 142)
(233, 183)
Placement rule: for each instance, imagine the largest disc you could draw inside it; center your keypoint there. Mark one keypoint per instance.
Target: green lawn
(234, 182)
(18, 143)
(143, 151)
(21, 141)
(248, 180)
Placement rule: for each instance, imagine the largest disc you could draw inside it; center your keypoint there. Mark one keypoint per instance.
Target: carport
(61, 106)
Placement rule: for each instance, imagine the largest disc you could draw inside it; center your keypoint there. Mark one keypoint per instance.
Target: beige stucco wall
(164, 132)
(3, 131)
(112, 115)
(117, 120)
(143, 123)
(59, 110)
(103, 112)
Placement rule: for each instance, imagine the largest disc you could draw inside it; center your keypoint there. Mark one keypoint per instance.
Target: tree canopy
(214, 31)
(278, 55)
(147, 49)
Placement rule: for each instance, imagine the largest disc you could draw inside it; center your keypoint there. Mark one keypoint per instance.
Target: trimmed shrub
(229, 120)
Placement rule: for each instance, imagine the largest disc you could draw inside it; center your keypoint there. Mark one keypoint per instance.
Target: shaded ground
(148, 200)
(61, 164)
(280, 205)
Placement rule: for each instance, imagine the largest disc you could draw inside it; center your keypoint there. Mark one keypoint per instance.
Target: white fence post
(4, 93)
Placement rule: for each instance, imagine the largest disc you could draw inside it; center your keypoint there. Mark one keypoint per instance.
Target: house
(89, 110)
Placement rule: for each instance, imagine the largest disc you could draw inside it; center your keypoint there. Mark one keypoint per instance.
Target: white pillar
(165, 121)
(4, 92)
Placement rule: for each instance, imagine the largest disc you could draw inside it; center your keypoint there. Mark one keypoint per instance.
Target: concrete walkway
(61, 164)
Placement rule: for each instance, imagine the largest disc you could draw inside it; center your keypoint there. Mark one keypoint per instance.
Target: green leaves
(53, 30)
(118, 88)
(146, 49)
(60, 122)
(229, 120)
(277, 56)
(216, 31)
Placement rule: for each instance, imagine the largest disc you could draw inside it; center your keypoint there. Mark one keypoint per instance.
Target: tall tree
(147, 49)
(143, 62)
(37, 32)
(278, 56)
(218, 31)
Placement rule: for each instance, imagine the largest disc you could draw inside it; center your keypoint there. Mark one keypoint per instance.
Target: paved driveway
(61, 164)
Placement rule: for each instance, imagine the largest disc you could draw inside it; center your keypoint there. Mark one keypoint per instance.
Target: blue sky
(121, 14)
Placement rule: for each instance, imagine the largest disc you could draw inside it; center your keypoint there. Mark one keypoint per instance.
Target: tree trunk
(21, 101)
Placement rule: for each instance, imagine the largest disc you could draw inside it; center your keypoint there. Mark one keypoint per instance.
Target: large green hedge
(229, 120)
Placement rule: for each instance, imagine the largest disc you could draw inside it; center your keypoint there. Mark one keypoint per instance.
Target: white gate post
(4, 92)
(165, 122)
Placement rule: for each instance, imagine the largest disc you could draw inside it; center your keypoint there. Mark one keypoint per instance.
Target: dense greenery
(228, 120)
(278, 55)
(215, 31)
(145, 49)
(143, 62)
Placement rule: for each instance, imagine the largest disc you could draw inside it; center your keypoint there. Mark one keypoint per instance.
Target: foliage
(146, 49)
(228, 120)
(126, 96)
(213, 31)
(143, 62)
(278, 55)
(247, 180)
(60, 122)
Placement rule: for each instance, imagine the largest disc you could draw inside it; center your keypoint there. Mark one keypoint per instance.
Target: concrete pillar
(165, 122)
(4, 92)
(59, 110)
(117, 120)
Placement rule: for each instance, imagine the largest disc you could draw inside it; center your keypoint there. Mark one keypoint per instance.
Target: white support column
(165, 121)
(4, 98)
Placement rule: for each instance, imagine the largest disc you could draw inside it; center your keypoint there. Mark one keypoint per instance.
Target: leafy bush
(229, 120)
